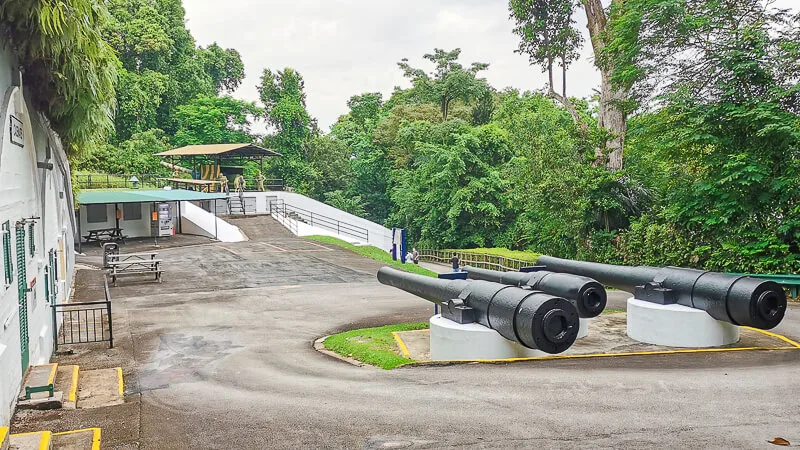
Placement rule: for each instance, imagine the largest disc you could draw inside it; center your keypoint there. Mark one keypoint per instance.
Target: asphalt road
(222, 358)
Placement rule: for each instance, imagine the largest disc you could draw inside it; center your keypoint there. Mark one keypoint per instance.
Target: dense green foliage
(168, 87)
(702, 96)
(68, 68)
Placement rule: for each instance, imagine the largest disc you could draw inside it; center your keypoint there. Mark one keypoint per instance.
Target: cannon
(739, 300)
(587, 295)
(534, 319)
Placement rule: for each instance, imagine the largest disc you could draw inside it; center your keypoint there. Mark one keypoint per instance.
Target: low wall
(379, 236)
(196, 220)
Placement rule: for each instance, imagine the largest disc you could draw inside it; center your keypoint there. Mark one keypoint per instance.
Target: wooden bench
(144, 263)
(104, 235)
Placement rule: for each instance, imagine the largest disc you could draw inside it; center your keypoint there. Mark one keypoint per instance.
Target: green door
(22, 286)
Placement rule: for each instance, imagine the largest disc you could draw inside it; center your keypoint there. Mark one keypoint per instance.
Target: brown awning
(221, 150)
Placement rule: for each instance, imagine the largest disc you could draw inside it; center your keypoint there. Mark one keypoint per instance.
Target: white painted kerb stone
(451, 341)
(677, 326)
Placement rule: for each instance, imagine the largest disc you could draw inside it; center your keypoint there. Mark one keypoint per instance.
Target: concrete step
(67, 383)
(38, 440)
(39, 379)
(100, 387)
(4, 438)
(85, 439)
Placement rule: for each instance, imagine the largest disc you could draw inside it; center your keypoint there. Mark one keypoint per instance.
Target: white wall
(196, 220)
(41, 195)
(130, 228)
(379, 236)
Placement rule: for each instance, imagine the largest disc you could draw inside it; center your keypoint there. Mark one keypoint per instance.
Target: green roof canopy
(95, 197)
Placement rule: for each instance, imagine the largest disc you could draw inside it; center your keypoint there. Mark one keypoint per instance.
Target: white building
(37, 220)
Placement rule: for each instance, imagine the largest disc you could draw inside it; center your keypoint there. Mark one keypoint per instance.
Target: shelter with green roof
(134, 213)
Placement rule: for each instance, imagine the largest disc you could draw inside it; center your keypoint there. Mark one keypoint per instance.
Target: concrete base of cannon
(677, 326)
(451, 341)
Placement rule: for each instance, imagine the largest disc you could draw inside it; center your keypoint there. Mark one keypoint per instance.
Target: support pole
(216, 235)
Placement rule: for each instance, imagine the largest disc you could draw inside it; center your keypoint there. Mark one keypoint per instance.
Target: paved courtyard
(220, 356)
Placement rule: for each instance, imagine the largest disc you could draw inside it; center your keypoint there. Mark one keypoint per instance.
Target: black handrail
(322, 221)
(84, 334)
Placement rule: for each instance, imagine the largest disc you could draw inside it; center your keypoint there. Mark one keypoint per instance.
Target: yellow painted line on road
(400, 343)
(121, 384)
(3, 435)
(73, 389)
(607, 355)
(52, 377)
(95, 435)
(775, 335)
(44, 444)
(44, 439)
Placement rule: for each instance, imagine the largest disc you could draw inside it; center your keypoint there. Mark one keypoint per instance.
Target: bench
(104, 235)
(135, 264)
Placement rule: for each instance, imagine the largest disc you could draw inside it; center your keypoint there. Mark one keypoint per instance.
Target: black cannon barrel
(586, 294)
(534, 319)
(740, 300)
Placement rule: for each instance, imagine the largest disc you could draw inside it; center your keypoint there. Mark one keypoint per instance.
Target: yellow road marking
(95, 435)
(73, 390)
(400, 343)
(44, 439)
(775, 335)
(607, 355)
(3, 435)
(44, 444)
(121, 384)
(52, 377)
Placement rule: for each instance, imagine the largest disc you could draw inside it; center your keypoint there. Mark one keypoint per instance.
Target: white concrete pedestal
(677, 326)
(452, 341)
(583, 331)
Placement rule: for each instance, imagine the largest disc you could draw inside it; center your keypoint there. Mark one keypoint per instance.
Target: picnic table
(143, 263)
(104, 235)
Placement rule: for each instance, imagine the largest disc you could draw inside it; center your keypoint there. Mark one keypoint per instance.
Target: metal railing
(85, 322)
(123, 181)
(482, 260)
(118, 181)
(319, 220)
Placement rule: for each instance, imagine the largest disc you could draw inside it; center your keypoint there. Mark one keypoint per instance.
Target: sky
(348, 47)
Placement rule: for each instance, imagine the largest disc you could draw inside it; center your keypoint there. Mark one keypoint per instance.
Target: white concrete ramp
(196, 220)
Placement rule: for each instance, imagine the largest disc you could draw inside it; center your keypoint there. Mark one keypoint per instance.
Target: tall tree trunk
(611, 115)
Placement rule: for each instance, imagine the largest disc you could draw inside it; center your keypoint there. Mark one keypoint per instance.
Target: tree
(284, 98)
(547, 37)
(448, 82)
(70, 70)
(547, 33)
(215, 120)
(224, 66)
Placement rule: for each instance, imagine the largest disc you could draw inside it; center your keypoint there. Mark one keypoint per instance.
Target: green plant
(375, 346)
(69, 69)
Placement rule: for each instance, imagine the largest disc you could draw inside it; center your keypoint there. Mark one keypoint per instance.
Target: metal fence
(319, 220)
(83, 323)
(118, 181)
(482, 260)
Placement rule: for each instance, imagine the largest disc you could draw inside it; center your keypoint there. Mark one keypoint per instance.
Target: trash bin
(109, 248)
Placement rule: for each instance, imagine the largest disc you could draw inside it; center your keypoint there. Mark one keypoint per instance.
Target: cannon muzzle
(586, 294)
(534, 319)
(740, 300)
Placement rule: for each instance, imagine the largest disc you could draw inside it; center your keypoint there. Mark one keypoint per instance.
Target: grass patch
(374, 253)
(613, 310)
(504, 252)
(375, 346)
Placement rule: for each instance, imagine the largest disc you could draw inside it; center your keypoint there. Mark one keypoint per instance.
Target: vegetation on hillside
(689, 155)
